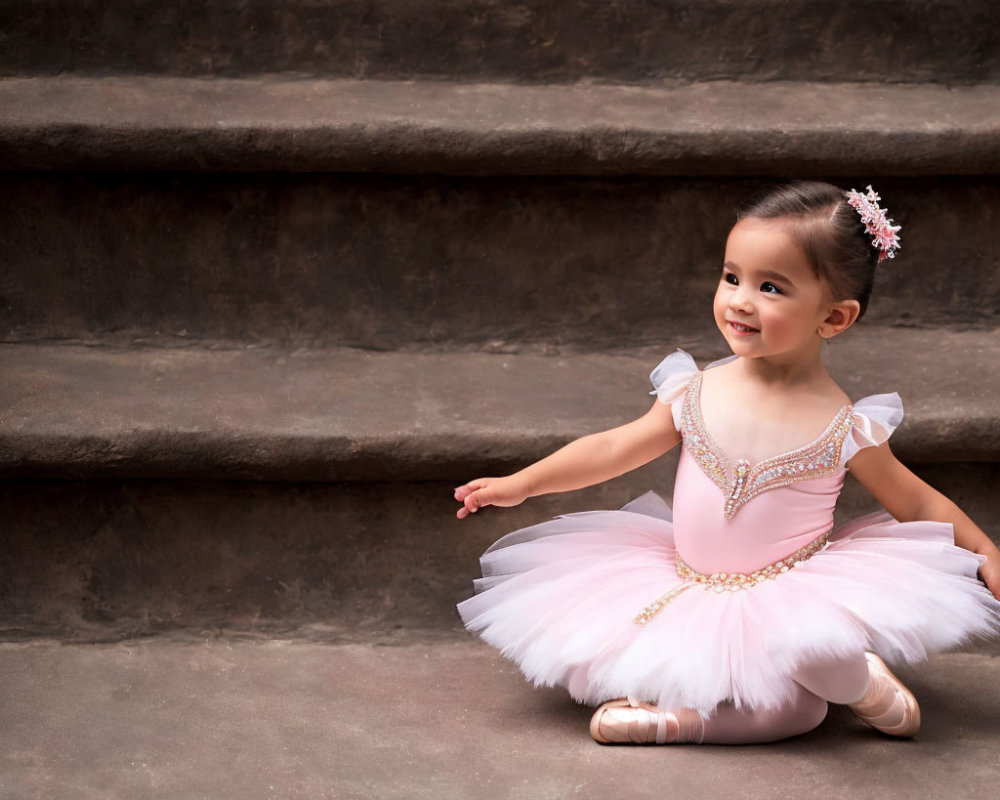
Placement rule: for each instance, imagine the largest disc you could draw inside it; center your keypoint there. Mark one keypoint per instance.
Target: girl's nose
(740, 300)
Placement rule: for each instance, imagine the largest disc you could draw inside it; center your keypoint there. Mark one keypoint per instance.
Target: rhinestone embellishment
(728, 581)
(743, 481)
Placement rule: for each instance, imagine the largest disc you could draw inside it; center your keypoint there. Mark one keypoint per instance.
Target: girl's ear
(842, 316)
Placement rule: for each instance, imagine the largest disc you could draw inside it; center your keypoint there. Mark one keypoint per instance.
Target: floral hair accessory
(881, 229)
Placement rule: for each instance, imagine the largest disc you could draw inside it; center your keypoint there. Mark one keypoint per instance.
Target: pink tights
(843, 681)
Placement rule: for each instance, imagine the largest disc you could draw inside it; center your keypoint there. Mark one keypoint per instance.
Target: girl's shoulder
(874, 417)
(671, 376)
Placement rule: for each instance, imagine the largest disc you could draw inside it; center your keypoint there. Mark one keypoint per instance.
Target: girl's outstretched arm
(908, 498)
(584, 462)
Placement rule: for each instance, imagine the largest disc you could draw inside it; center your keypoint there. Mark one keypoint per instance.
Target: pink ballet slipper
(887, 706)
(629, 722)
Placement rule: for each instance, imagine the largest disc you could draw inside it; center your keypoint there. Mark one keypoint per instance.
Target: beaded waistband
(729, 581)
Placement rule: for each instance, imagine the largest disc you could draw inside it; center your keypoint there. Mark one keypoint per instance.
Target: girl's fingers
(992, 580)
(466, 489)
(481, 492)
(463, 492)
(476, 500)
(989, 571)
(471, 499)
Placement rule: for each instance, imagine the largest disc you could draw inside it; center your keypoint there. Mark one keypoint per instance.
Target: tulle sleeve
(670, 381)
(875, 418)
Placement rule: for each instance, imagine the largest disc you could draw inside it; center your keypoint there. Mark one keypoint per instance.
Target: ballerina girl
(738, 615)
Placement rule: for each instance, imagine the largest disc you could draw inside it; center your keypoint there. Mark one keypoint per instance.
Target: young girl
(736, 618)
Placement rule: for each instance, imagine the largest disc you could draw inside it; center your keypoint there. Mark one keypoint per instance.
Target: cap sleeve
(670, 380)
(875, 418)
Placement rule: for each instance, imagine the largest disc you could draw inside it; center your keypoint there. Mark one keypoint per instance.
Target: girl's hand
(908, 498)
(489, 492)
(990, 571)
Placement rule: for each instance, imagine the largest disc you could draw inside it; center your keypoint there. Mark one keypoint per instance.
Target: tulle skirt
(560, 599)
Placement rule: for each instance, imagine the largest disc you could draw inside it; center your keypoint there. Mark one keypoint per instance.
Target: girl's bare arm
(584, 462)
(908, 499)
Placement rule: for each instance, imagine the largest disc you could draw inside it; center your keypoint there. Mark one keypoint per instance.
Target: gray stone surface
(537, 40)
(87, 561)
(325, 415)
(385, 262)
(404, 127)
(241, 719)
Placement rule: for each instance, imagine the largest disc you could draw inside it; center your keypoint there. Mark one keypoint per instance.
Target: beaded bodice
(742, 480)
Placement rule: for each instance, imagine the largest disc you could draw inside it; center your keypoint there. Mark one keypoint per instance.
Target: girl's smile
(741, 330)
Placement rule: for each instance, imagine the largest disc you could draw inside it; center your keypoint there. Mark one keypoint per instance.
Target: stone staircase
(275, 276)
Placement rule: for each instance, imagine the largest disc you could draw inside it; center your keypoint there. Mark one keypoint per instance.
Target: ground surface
(188, 718)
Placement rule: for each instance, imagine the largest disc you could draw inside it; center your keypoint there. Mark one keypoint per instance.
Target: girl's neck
(787, 372)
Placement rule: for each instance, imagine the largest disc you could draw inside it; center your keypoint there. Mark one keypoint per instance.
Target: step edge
(353, 125)
(271, 414)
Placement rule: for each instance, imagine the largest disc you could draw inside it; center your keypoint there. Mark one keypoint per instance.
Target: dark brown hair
(829, 231)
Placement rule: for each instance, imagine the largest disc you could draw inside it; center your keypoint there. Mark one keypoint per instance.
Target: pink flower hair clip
(881, 229)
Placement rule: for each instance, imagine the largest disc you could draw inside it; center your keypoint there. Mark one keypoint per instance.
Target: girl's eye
(731, 278)
(769, 288)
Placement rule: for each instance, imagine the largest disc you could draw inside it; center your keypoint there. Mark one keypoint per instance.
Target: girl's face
(769, 302)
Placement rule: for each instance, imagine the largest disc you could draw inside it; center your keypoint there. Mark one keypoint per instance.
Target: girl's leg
(880, 700)
(729, 725)
(843, 680)
(641, 723)
(865, 684)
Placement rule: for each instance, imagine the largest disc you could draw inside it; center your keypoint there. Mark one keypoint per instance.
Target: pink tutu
(564, 598)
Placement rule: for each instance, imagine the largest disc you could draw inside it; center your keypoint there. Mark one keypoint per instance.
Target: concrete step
(581, 204)
(308, 495)
(336, 415)
(223, 718)
(386, 262)
(951, 41)
(368, 562)
(270, 123)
